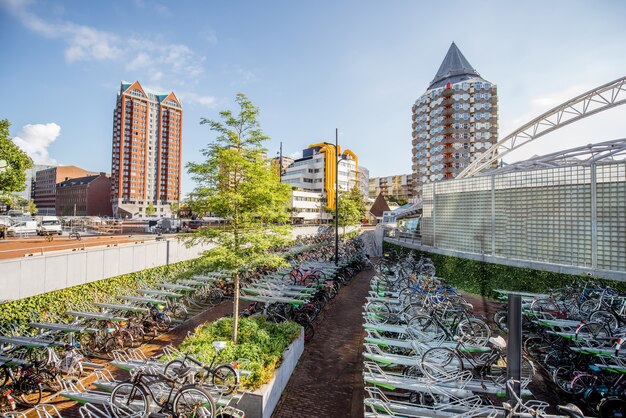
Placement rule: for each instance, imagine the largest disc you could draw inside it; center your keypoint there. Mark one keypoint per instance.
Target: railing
(403, 235)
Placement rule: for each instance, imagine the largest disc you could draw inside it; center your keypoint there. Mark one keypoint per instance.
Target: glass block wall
(575, 216)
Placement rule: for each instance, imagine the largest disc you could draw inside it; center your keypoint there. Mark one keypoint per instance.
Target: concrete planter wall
(261, 402)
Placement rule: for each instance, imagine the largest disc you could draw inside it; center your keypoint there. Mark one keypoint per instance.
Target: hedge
(482, 278)
(51, 306)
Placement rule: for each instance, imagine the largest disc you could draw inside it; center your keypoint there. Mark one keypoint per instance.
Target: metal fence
(573, 215)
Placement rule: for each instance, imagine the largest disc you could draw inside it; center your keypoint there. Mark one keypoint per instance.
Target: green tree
(150, 210)
(351, 208)
(13, 165)
(175, 209)
(31, 207)
(237, 183)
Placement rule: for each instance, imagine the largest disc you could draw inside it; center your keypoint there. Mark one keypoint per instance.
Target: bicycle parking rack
(466, 407)
(120, 307)
(46, 410)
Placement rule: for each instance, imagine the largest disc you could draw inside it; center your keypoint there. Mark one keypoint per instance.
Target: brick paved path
(328, 380)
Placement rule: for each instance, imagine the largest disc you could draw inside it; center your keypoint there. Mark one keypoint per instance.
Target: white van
(49, 225)
(22, 228)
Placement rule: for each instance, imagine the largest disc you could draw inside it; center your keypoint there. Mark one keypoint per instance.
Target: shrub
(260, 341)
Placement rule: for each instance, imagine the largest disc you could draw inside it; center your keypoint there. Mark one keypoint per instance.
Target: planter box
(261, 402)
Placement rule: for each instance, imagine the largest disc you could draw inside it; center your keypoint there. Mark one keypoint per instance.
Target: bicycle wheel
(28, 391)
(501, 319)
(113, 343)
(594, 334)
(128, 395)
(171, 368)
(426, 328)
(579, 384)
(50, 382)
(473, 330)
(605, 317)
(496, 371)
(192, 401)
(537, 346)
(612, 407)
(562, 377)
(439, 363)
(377, 312)
(588, 307)
(226, 376)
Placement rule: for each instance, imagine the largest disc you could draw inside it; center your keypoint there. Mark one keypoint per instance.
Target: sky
(310, 67)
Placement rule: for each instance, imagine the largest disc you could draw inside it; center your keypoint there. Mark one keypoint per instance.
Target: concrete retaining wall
(261, 402)
(24, 277)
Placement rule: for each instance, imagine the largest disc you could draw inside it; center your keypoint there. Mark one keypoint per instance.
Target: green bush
(483, 278)
(260, 341)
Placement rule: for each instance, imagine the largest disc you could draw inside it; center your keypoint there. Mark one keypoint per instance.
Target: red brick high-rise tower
(147, 151)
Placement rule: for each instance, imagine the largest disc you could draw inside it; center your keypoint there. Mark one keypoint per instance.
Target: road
(32, 246)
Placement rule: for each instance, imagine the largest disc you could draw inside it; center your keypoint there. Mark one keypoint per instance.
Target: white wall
(30, 276)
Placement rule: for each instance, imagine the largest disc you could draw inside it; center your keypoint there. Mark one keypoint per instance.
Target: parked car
(50, 225)
(22, 228)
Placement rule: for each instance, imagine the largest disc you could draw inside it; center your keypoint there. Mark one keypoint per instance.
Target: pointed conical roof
(454, 68)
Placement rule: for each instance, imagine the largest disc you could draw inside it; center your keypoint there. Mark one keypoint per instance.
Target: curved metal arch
(594, 101)
(608, 151)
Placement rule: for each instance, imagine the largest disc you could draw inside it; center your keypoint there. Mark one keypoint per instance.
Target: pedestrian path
(328, 381)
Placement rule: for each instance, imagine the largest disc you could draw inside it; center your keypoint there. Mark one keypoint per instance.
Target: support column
(514, 344)
(594, 217)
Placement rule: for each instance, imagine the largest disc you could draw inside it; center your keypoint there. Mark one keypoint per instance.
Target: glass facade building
(454, 121)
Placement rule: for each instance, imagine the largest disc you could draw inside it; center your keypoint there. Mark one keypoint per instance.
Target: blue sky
(309, 66)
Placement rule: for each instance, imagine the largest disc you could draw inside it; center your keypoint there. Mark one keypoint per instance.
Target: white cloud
(151, 57)
(193, 98)
(35, 140)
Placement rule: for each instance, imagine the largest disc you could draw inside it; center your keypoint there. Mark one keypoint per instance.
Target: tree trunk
(236, 309)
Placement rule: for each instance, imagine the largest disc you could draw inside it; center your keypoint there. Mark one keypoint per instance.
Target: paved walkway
(328, 380)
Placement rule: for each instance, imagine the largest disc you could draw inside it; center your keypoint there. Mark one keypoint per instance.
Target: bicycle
(75, 235)
(438, 362)
(23, 386)
(145, 388)
(222, 375)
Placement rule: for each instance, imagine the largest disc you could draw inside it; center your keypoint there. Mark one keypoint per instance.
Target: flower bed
(260, 341)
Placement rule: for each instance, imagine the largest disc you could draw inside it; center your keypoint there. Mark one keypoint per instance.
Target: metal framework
(609, 151)
(594, 101)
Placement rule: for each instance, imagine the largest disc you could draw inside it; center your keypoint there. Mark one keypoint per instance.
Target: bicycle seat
(182, 372)
(570, 410)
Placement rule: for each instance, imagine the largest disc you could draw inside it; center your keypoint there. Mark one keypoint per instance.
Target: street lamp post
(339, 157)
(336, 197)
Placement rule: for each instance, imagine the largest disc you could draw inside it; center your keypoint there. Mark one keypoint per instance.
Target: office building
(454, 121)
(147, 152)
(46, 182)
(84, 196)
(316, 171)
(31, 176)
(313, 176)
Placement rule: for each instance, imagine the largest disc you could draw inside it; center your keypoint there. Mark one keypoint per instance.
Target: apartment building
(146, 163)
(454, 121)
(400, 188)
